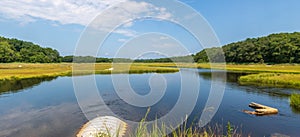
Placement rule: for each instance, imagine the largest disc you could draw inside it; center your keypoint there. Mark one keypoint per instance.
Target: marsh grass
(255, 68)
(157, 130)
(17, 71)
(272, 79)
(183, 130)
(282, 75)
(278, 68)
(295, 101)
(279, 75)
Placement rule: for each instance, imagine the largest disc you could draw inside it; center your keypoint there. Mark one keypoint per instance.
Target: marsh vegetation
(295, 101)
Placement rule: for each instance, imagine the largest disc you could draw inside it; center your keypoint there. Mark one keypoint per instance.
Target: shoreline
(278, 75)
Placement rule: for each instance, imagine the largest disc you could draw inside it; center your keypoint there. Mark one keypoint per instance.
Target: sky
(60, 24)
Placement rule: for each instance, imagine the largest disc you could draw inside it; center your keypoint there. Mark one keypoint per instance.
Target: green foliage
(295, 101)
(182, 130)
(229, 130)
(7, 53)
(272, 49)
(166, 60)
(67, 59)
(210, 55)
(13, 50)
(275, 48)
(90, 59)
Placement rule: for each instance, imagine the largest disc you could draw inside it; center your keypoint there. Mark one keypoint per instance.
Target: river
(48, 107)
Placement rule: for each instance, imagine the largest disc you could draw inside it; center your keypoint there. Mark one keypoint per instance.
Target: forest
(13, 50)
(272, 49)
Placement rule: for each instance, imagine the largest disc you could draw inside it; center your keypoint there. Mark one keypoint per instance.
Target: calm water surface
(49, 108)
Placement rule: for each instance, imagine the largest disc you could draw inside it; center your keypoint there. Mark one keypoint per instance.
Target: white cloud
(126, 32)
(64, 11)
(129, 24)
(82, 12)
(125, 14)
(122, 40)
(163, 38)
(76, 11)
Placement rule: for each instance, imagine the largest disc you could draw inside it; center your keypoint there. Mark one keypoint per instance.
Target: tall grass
(282, 75)
(279, 75)
(12, 71)
(295, 101)
(262, 68)
(272, 79)
(258, 68)
(182, 131)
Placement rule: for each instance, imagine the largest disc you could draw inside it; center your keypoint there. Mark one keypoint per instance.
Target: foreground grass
(157, 130)
(26, 70)
(184, 131)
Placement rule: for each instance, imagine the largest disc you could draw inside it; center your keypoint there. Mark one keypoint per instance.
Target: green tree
(7, 53)
(275, 48)
(14, 50)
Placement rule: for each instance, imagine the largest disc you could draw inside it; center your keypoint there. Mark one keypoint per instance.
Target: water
(48, 107)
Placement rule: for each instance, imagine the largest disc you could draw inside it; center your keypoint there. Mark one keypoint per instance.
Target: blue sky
(58, 24)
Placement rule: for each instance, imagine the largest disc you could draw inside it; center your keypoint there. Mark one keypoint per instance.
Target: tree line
(274, 48)
(271, 49)
(91, 59)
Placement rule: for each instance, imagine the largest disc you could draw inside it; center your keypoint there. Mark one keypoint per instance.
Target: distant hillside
(275, 48)
(13, 50)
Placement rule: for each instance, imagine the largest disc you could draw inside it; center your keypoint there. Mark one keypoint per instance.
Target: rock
(105, 125)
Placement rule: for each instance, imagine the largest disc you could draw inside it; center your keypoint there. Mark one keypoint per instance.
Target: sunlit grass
(27, 70)
(272, 79)
(295, 101)
(280, 75)
(278, 68)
